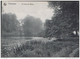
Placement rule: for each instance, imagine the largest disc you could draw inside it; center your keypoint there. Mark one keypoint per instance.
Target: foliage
(65, 19)
(39, 49)
(9, 23)
(31, 26)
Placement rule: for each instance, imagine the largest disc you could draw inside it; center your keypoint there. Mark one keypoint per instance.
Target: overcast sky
(22, 9)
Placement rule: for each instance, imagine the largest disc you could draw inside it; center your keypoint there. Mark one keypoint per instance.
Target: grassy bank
(33, 48)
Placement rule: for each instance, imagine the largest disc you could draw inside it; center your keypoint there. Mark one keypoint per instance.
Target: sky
(22, 9)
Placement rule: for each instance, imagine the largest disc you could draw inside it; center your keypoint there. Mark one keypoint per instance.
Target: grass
(40, 49)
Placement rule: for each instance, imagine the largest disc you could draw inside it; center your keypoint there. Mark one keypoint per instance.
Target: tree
(31, 26)
(9, 23)
(65, 19)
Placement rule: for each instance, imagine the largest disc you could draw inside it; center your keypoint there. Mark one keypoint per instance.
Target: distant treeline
(28, 27)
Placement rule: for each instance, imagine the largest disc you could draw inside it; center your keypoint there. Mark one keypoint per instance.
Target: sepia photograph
(40, 29)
